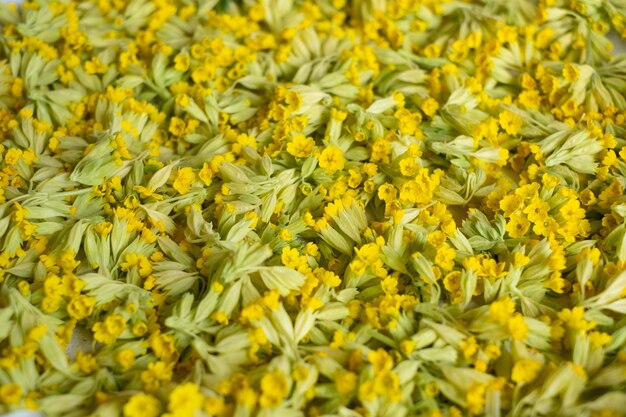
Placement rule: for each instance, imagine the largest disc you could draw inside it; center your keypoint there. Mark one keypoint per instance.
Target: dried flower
(340, 208)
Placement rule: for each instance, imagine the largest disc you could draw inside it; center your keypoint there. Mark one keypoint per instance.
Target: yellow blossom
(332, 159)
(183, 180)
(142, 405)
(525, 371)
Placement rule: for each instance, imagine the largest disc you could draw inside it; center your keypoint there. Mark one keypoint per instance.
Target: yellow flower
(367, 391)
(525, 371)
(142, 405)
(300, 373)
(86, 362)
(518, 327)
(37, 332)
(510, 204)
(157, 165)
(502, 310)
(107, 331)
(95, 66)
(163, 346)
(530, 99)
(177, 126)
(19, 212)
(491, 269)
(387, 192)
(81, 306)
(387, 383)
(12, 156)
(408, 125)
(181, 62)
(345, 382)
(370, 252)
(570, 107)
(285, 235)
(571, 73)
(599, 339)
(252, 312)
(445, 257)
(380, 360)
(380, 151)
(517, 226)
(125, 357)
(510, 122)
(452, 283)
(274, 389)
(556, 283)
(103, 228)
(301, 147)
(10, 393)
(329, 278)
(408, 167)
(429, 106)
(574, 319)
(332, 159)
(206, 174)
(537, 210)
(146, 192)
(185, 399)
(422, 189)
(469, 347)
(184, 179)
(214, 406)
(475, 397)
(314, 304)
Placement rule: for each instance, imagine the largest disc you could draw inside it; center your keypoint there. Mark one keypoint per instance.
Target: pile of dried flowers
(313, 208)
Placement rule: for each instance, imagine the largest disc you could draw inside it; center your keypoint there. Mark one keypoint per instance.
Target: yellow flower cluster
(290, 208)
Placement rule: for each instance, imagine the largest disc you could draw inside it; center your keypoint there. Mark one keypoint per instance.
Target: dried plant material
(312, 208)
